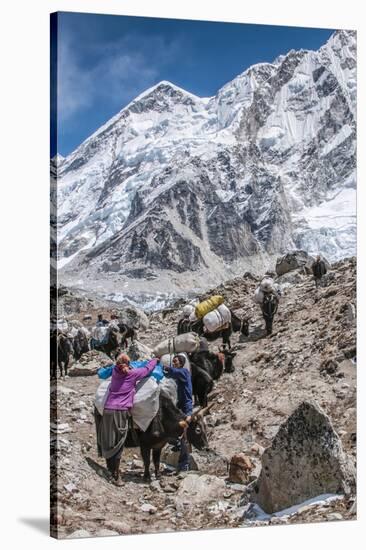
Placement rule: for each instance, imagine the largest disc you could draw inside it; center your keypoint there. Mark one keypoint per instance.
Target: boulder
(305, 460)
(89, 363)
(294, 260)
(133, 318)
(240, 468)
(138, 351)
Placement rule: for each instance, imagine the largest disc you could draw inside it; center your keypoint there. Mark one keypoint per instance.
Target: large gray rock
(89, 363)
(305, 459)
(138, 351)
(134, 318)
(294, 260)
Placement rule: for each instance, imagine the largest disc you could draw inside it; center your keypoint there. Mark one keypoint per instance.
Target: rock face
(294, 260)
(257, 168)
(305, 459)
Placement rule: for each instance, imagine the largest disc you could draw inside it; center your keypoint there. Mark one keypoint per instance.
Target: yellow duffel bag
(208, 305)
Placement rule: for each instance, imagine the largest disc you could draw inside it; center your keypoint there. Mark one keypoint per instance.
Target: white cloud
(120, 71)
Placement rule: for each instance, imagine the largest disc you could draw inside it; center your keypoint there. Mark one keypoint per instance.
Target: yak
(61, 349)
(207, 367)
(236, 325)
(80, 344)
(112, 344)
(202, 385)
(126, 332)
(166, 427)
(211, 362)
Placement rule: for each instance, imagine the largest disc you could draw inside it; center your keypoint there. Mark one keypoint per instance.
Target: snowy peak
(175, 183)
(58, 159)
(164, 96)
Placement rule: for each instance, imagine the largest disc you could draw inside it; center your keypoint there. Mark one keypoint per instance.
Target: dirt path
(310, 355)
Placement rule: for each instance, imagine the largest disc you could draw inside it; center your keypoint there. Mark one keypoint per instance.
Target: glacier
(179, 192)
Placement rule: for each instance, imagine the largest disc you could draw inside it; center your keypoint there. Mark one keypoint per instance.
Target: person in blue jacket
(183, 379)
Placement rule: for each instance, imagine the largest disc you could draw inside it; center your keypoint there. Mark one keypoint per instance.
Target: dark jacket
(319, 269)
(184, 387)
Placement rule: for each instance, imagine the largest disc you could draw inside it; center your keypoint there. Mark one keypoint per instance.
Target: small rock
(148, 508)
(258, 449)
(240, 467)
(122, 528)
(155, 485)
(137, 464)
(334, 516)
(70, 487)
(278, 520)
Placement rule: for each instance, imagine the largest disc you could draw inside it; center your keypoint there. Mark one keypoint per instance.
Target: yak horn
(205, 411)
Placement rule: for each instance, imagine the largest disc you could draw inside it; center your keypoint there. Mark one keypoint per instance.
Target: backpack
(270, 304)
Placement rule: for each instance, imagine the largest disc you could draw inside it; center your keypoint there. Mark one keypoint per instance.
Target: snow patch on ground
(320, 500)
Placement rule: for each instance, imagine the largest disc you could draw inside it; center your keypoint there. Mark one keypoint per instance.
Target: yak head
(196, 431)
(228, 359)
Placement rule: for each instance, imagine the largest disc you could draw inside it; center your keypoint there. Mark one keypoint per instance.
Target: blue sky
(104, 61)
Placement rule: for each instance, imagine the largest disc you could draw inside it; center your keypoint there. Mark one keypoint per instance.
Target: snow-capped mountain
(178, 191)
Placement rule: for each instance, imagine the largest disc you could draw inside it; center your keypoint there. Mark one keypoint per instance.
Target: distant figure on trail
(185, 403)
(267, 296)
(269, 308)
(112, 427)
(319, 269)
(101, 322)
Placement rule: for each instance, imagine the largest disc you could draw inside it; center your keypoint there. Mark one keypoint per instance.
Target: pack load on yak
(187, 342)
(146, 401)
(208, 305)
(217, 319)
(99, 335)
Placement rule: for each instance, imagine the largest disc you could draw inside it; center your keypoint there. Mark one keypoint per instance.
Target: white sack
(187, 342)
(216, 319)
(146, 402)
(98, 333)
(266, 284)
(258, 295)
(101, 395)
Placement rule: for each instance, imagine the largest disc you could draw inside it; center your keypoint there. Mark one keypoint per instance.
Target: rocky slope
(311, 356)
(178, 192)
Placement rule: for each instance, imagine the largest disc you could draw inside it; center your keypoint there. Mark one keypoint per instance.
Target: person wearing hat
(101, 322)
(112, 427)
(183, 379)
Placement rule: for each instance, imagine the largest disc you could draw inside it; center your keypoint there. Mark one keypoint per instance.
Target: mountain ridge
(176, 183)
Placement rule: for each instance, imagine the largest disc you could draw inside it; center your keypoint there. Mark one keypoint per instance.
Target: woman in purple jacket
(112, 427)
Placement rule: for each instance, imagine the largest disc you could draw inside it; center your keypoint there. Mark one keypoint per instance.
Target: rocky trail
(311, 356)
